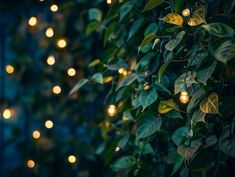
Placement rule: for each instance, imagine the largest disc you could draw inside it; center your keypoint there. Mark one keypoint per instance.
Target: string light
(51, 60)
(122, 71)
(49, 124)
(72, 159)
(61, 43)
(9, 69)
(112, 110)
(186, 12)
(54, 8)
(49, 32)
(30, 164)
(117, 149)
(36, 134)
(32, 21)
(109, 1)
(7, 114)
(184, 97)
(56, 89)
(71, 72)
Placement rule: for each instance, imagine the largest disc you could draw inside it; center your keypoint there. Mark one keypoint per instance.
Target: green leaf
(205, 73)
(95, 14)
(147, 39)
(152, 4)
(125, 9)
(92, 27)
(177, 165)
(108, 32)
(225, 52)
(174, 114)
(127, 116)
(144, 61)
(161, 87)
(219, 29)
(148, 97)
(152, 28)
(123, 141)
(127, 81)
(79, 85)
(172, 44)
(198, 116)
(195, 99)
(144, 148)
(123, 163)
(135, 27)
(188, 152)
(210, 141)
(166, 106)
(181, 81)
(180, 135)
(98, 77)
(148, 125)
(210, 104)
(94, 63)
(162, 70)
(228, 146)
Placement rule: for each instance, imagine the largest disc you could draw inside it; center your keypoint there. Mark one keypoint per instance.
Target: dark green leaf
(152, 4)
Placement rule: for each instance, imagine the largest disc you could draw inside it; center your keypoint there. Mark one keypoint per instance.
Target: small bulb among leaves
(49, 124)
(109, 1)
(72, 159)
(51, 60)
(112, 110)
(186, 12)
(32, 21)
(36, 134)
(7, 114)
(117, 149)
(71, 72)
(184, 97)
(54, 8)
(9, 69)
(61, 43)
(56, 89)
(30, 164)
(49, 32)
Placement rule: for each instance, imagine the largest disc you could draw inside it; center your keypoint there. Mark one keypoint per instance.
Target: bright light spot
(120, 70)
(72, 159)
(124, 73)
(30, 164)
(56, 89)
(184, 97)
(61, 43)
(51, 60)
(49, 32)
(109, 1)
(9, 69)
(186, 12)
(117, 149)
(32, 21)
(49, 124)
(71, 72)
(112, 110)
(36, 134)
(6, 114)
(54, 8)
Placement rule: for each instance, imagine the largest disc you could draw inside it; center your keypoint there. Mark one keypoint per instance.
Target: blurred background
(44, 51)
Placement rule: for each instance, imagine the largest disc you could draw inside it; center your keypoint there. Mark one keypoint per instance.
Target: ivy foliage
(157, 54)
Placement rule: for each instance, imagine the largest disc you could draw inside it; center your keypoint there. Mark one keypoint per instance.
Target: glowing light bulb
(61, 43)
(117, 149)
(32, 21)
(72, 159)
(186, 12)
(9, 69)
(49, 124)
(184, 97)
(30, 164)
(56, 89)
(7, 114)
(51, 60)
(36, 134)
(71, 72)
(54, 8)
(49, 32)
(112, 110)
(120, 70)
(109, 1)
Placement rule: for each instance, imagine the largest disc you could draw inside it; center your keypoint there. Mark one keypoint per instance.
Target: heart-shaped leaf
(173, 18)
(219, 29)
(123, 163)
(166, 106)
(127, 81)
(172, 44)
(180, 135)
(210, 104)
(148, 97)
(228, 146)
(197, 18)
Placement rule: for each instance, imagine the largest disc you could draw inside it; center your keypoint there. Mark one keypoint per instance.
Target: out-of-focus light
(56, 89)
(32, 21)
(112, 110)
(61, 43)
(9, 69)
(54, 8)
(7, 114)
(184, 97)
(120, 70)
(117, 149)
(30, 164)
(36, 134)
(49, 124)
(49, 32)
(51, 60)
(108, 1)
(186, 12)
(72, 159)
(71, 72)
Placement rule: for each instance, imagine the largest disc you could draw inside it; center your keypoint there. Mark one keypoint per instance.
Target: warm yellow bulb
(32, 21)
(120, 70)
(6, 114)
(36, 134)
(30, 164)
(56, 89)
(61, 43)
(117, 149)
(186, 12)
(9, 69)
(109, 1)
(54, 8)
(49, 32)
(51, 60)
(49, 124)
(72, 159)
(112, 110)
(71, 72)
(184, 97)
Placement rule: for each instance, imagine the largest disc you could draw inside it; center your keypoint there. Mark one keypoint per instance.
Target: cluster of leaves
(165, 50)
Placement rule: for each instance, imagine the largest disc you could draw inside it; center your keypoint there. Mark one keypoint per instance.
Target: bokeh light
(32, 21)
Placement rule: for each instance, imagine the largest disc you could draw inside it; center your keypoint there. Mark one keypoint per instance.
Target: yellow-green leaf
(173, 18)
(94, 63)
(197, 18)
(210, 104)
(166, 106)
